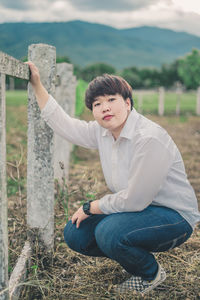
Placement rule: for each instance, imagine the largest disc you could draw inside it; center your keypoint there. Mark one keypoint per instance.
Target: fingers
(78, 217)
(76, 220)
(35, 76)
(30, 64)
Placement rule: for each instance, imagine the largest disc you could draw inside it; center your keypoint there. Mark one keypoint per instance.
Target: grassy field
(80, 94)
(72, 276)
(150, 100)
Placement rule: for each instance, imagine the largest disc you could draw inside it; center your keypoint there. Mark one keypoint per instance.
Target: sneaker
(138, 284)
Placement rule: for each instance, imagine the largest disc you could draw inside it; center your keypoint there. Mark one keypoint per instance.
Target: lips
(107, 117)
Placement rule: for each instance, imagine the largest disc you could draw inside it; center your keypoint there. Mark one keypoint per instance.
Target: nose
(105, 106)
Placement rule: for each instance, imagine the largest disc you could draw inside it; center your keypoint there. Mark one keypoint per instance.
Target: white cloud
(187, 6)
(170, 14)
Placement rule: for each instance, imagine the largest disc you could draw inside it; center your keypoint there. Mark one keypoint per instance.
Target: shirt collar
(129, 127)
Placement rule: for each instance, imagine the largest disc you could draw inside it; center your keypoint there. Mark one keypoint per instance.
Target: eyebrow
(109, 97)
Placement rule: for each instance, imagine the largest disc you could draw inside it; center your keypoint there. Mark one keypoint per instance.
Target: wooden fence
(40, 166)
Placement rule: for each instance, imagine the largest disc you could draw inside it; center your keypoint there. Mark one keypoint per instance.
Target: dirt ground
(68, 275)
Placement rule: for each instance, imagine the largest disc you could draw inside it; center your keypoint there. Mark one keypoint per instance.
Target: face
(111, 112)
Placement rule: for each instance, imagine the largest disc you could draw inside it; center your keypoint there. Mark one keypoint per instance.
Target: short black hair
(107, 85)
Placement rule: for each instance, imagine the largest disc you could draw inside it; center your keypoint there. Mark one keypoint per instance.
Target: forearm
(41, 94)
(94, 207)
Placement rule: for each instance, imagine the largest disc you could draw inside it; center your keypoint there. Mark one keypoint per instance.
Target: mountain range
(86, 43)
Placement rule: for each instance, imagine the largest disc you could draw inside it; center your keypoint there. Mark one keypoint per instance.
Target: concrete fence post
(198, 102)
(65, 95)
(178, 98)
(40, 177)
(140, 102)
(161, 101)
(3, 196)
(11, 83)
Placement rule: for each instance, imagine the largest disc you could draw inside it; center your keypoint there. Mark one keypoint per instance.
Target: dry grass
(68, 275)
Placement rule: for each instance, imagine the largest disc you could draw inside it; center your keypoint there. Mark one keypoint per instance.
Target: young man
(152, 207)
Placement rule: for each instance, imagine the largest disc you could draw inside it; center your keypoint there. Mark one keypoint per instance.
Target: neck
(116, 133)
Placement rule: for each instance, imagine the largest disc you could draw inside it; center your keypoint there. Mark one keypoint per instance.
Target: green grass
(19, 97)
(150, 103)
(16, 103)
(16, 123)
(16, 107)
(16, 98)
(80, 96)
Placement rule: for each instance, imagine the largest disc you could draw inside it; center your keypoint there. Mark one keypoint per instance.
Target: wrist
(86, 208)
(94, 207)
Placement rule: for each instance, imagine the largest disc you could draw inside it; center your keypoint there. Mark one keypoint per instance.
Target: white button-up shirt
(142, 167)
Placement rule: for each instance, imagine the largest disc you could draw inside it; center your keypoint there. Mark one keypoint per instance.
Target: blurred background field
(150, 100)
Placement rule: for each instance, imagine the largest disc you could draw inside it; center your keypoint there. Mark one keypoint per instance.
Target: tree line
(185, 70)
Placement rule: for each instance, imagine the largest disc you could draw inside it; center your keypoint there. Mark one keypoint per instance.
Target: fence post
(11, 83)
(161, 101)
(198, 102)
(3, 196)
(65, 95)
(40, 177)
(140, 101)
(178, 97)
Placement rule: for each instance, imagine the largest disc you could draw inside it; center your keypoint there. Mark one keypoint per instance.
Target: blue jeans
(130, 237)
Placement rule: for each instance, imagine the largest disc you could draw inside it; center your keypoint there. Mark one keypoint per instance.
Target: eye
(95, 104)
(111, 99)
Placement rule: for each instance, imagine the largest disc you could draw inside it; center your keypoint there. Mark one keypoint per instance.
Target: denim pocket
(172, 243)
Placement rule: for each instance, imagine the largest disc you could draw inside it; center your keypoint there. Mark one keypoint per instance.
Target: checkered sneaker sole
(140, 285)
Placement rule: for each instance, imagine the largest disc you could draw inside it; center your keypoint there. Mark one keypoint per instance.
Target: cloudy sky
(179, 15)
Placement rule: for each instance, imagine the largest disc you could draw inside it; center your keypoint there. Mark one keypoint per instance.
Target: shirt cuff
(103, 205)
(49, 108)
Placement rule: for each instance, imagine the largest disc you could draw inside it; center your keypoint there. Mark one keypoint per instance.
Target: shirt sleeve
(76, 131)
(149, 168)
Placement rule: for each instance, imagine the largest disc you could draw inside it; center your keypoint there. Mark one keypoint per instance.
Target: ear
(128, 103)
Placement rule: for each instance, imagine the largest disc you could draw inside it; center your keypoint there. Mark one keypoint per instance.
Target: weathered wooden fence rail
(40, 160)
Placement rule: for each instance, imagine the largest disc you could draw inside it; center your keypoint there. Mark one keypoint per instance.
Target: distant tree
(24, 58)
(169, 74)
(131, 75)
(150, 77)
(189, 70)
(90, 72)
(60, 59)
(77, 71)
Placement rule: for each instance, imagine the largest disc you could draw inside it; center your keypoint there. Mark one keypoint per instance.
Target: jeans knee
(68, 234)
(72, 237)
(107, 240)
(79, 240)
